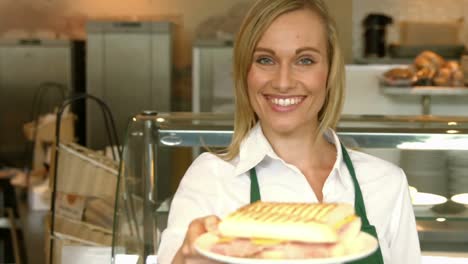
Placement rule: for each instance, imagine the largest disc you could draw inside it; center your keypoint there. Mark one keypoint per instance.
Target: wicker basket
(69, 232)
(85, 172)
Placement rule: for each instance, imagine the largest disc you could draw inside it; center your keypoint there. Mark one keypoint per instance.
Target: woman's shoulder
(371, 168)
(380, 180)
(207, 169)
(209, 159)
(209, 163)
(370, 160)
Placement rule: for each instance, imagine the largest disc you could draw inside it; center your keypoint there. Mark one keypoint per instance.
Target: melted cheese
(225, 239)
(338, 225)
(266, 241)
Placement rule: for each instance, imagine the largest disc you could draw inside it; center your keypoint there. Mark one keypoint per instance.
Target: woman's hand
(187, 253)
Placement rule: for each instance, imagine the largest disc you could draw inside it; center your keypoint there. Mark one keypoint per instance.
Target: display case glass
(158, 148)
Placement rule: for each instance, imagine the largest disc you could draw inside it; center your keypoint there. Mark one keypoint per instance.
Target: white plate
(427, 200)
(361, 247)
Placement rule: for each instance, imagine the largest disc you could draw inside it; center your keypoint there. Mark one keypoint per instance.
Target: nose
(283, 78)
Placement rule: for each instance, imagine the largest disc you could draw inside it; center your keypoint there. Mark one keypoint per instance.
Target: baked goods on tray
(400, 76)
(427, 69)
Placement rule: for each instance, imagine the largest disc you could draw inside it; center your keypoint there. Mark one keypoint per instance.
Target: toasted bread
(302, 222)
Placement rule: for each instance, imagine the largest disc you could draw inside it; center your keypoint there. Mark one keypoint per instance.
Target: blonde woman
(289, 79)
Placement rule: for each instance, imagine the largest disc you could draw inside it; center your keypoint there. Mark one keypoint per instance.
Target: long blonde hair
(256, 22)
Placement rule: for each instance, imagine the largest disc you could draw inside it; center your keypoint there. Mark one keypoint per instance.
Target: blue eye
(306, 61)
(264, 61)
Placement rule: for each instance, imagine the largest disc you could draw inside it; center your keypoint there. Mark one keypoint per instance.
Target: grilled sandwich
(287, 230)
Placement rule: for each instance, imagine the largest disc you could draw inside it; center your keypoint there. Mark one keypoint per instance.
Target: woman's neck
(312, 154)
(304, 148)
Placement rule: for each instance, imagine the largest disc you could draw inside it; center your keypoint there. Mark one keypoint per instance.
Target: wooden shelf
(426, 93)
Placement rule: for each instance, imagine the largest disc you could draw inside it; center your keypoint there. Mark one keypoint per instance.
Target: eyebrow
(264, 50)
(298, 51)
(308, 49)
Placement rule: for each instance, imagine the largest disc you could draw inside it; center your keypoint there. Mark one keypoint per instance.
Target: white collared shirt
(212, 186)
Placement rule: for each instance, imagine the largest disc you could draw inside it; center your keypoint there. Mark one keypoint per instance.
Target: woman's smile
(284, 103)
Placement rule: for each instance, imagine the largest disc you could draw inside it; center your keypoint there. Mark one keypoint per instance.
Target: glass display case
(433, 151)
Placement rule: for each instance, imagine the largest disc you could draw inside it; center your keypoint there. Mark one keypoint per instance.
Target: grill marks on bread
(302, 222)
(272, 212)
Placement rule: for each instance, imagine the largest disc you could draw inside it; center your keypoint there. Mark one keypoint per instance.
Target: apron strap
(376, 257)
(358, 200)
(254, 188)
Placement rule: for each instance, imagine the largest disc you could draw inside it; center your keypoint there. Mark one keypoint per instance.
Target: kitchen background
(207, 19)
(448, 11)
(66, 18)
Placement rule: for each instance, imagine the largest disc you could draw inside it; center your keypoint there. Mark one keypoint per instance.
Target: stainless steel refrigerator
(129, 66)
(25, 65)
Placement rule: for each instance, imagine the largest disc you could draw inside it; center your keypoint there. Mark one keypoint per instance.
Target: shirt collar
(339, 165)
(255, 147)
(253, 150)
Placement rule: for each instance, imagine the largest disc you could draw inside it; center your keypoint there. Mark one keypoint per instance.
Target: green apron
(376, 257)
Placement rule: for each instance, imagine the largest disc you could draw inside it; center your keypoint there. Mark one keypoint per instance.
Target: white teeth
(286, 102)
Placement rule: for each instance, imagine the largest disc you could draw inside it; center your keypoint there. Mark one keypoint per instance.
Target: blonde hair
(257, 20)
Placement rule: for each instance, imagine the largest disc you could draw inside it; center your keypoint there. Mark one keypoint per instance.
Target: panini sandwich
(287, 230)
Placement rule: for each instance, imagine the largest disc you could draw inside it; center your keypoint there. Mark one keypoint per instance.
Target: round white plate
(361, 247)
(427, 200)
(460, 198)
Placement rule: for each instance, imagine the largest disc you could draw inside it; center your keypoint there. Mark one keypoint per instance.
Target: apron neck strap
(358, 200)
(254, 188)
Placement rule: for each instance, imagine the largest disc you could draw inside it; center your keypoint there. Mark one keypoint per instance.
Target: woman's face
(288, 76)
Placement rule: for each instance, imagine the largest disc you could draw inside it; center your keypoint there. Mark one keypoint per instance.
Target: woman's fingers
(197, 228)
(211, 223)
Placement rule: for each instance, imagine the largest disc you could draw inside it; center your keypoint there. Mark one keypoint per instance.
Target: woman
(289, 74)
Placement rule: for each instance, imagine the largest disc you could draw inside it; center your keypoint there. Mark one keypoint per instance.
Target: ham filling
(244, 248)
(247, 248)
